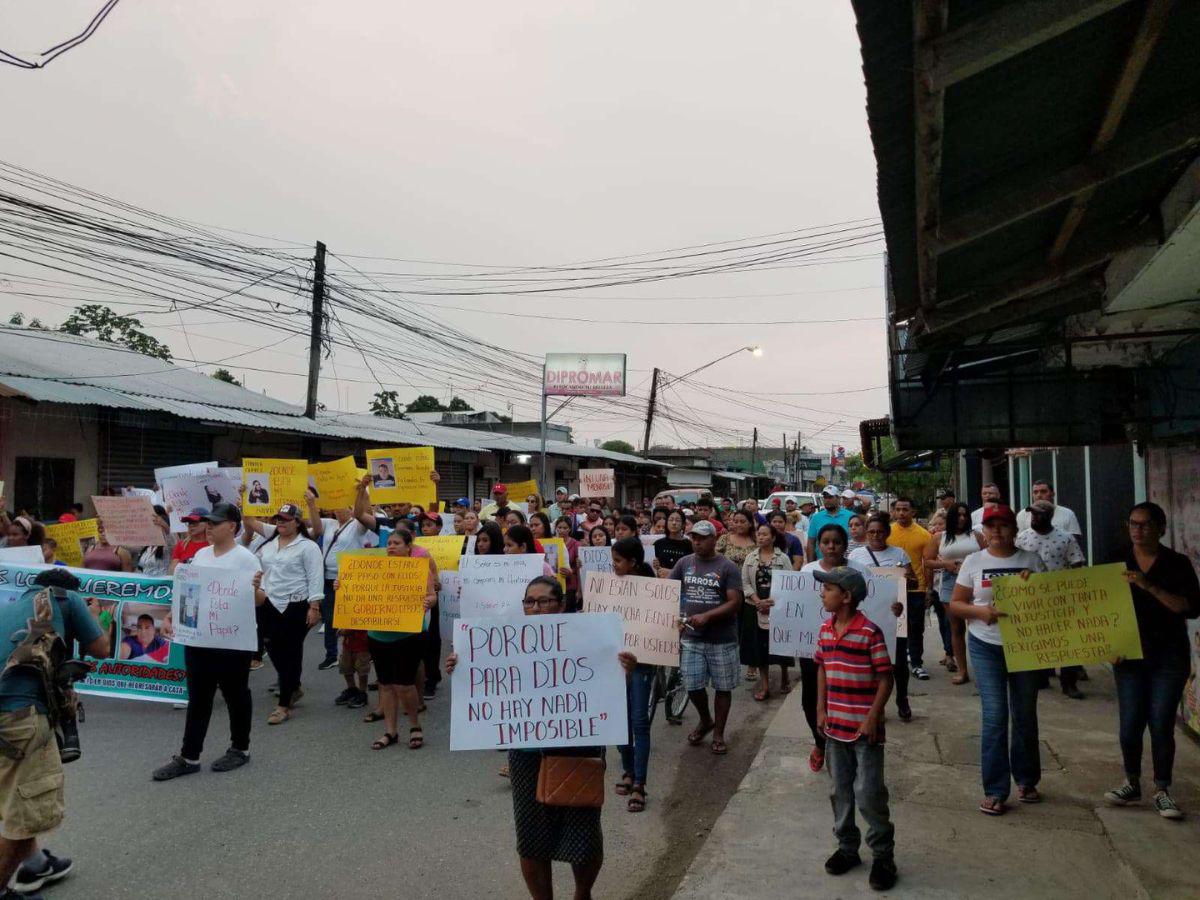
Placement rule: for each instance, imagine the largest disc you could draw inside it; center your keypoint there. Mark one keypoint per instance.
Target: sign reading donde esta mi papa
(584, 374)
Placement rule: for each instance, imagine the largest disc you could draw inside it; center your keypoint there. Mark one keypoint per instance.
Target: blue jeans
(1148, 694)
(943, 613)
(856, 770)
(635, 756)
(916, 628)
(330, 635)
(1008, 703)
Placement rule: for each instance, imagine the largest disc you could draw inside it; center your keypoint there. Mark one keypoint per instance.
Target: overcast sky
(518, 132)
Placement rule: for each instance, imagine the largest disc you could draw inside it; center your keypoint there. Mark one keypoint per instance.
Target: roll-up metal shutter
(130, 452)
(509, 474)
(455, 481)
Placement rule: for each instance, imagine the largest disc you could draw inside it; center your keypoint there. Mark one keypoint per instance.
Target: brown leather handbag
(571, 781)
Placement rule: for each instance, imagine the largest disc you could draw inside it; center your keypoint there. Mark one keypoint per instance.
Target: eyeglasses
(1140, 526)
(545, 603)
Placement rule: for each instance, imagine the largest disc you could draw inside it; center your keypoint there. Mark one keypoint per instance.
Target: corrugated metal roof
(55, 368)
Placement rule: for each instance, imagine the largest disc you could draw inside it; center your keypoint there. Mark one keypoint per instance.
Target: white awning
(731, 476)
(689, 478)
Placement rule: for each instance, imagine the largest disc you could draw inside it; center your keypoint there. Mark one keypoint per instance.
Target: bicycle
(667, 688)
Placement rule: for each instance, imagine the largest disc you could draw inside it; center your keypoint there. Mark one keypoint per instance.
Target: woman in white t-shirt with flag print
(1007, 699)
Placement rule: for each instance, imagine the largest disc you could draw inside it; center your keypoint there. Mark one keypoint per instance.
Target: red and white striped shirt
(853, 663)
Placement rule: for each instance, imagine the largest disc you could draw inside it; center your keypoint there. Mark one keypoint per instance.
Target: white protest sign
(213, 607)
(648, 542)
(594, 559)
(896, 574)
(447, 600)
(797, 614)
(495, 585)
(597, 483)
(649, 611)
(470, 551)
(152, 496)
(22, 556)
(538, 681)
(881, 594)
(179, 495)
(447, 524)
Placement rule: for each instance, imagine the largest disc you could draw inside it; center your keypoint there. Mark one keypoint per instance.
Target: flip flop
(373, 717)
(719, 747)
(696, 738)
(760, 696)
(637, 800)
(624, 786)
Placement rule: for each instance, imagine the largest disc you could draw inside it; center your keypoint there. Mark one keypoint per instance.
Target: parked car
(683, 496)
(800, 497)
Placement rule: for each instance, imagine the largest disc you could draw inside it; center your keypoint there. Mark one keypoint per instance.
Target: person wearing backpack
(31, 768)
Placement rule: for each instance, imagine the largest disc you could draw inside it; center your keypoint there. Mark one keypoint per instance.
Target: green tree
(425, 403)
(19, 319)
(226, 376)
(458, 404)
(387, 405)
(920, 485)
(619, 446)
(98, 321)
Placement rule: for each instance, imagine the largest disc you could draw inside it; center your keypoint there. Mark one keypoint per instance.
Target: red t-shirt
(853, 664)
(185, 550)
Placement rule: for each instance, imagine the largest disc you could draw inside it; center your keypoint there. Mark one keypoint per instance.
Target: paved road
(317, 813)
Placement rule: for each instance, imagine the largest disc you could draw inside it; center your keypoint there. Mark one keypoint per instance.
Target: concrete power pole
(650, 412)
(314, 340)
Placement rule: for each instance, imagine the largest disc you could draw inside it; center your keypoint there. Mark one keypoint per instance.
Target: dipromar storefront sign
(584, 374)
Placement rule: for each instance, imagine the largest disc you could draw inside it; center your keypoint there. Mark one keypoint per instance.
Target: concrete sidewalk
(775, 834)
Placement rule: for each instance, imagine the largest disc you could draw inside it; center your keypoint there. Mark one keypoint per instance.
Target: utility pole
(650, 412)
(753, 452)
(314, 339)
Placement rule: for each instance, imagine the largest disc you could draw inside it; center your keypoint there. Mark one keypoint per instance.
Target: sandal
(719, 747)
(279, 716)
(386, 741)
(951, 666)
(624, 786)
(637, 799)
(416, 738)
(696, 738)
(373, 716)
(503, 773)
(816, 759)
(760, 696)
(960, 678)
(1028, 794)
(992, 806)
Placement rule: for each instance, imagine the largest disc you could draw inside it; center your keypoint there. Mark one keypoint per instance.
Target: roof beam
(1140, 50)
(1007, 32)
(998, 208)
(1019, 281)
(929, 23)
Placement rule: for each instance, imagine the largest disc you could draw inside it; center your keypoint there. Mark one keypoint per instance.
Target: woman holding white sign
(629, 558)
(570, 834)
(769, 556)
(832, 541)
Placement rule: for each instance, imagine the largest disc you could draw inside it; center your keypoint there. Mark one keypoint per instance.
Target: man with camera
(31, 721)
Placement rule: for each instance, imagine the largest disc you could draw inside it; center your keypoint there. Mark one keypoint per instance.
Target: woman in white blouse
(294, 582)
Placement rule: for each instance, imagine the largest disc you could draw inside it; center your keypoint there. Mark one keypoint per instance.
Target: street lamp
(755, 350)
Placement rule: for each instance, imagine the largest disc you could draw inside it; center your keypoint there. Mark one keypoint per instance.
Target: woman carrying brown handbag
(546, 832)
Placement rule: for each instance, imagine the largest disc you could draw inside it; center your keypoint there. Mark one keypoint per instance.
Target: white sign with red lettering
(597, 483)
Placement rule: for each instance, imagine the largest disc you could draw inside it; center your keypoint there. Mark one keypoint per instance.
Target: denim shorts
(702, 663)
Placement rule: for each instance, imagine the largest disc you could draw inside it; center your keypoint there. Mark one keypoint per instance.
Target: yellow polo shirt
(912, 540)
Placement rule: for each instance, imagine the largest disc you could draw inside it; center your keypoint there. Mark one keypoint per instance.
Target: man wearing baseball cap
(832, 513)
(556, 511)
(498, 508)
(710, 597)
(210, 668)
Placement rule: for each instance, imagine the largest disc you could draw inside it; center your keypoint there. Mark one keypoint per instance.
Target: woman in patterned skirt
(547, 833)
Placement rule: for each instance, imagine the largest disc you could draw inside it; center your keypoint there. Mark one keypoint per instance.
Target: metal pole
(1139, 475)
(542, 480)
(314, 340)
(1087, 485)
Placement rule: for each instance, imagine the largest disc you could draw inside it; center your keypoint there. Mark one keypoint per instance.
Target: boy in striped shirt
(854, 680)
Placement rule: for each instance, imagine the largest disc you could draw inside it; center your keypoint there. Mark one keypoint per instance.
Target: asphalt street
(318, 813)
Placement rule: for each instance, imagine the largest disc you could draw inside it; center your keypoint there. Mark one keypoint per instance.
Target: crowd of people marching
(723, 554)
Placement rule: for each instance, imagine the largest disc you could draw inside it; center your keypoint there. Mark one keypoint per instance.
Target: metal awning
(731, 476)
(689, 478)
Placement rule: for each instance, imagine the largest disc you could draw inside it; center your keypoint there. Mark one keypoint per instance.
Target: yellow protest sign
(518, 491)
(401, 475)
(381, 593)
(336, 482)
(270, 483)
(446, 550)
(556, 557)
(74, 539)
(365, 551)
(1068, 618)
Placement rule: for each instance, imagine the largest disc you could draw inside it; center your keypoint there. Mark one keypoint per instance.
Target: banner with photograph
(74, 539)
(128, 521)
(336, 482)
(649, 611)
(214, 607)
(270, 483)
(144, 661)
(538, 681)
(401, 475)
